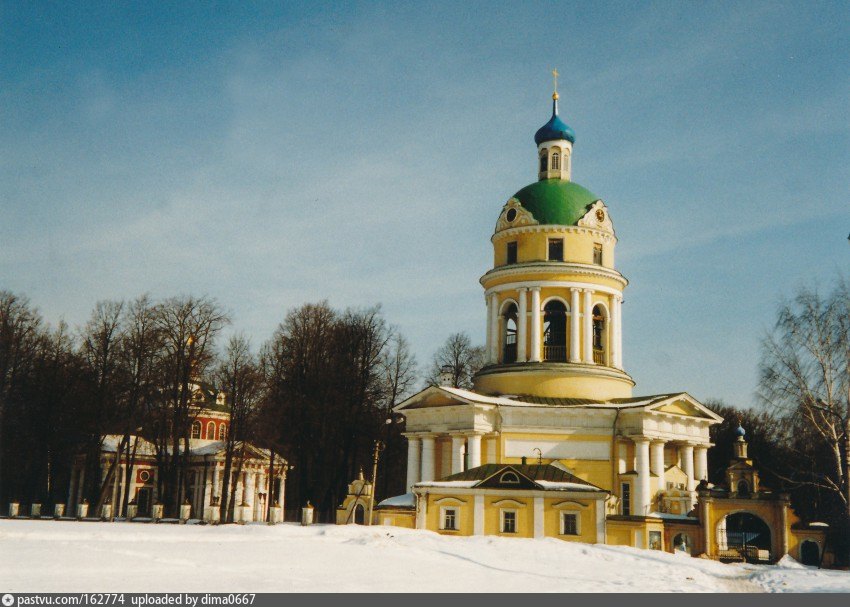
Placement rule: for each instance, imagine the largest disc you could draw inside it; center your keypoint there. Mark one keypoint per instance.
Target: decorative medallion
(597, 217)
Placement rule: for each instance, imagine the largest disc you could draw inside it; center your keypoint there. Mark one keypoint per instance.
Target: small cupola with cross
(554, 143)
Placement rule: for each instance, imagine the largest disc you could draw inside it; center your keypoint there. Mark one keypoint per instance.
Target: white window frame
(443, 511)
(623, 501)
(562, 521)
(502, 512)
(509, 482)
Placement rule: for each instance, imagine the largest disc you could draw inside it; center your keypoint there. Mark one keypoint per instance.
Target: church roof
(533, 476)
(556, 201)
(556, 129)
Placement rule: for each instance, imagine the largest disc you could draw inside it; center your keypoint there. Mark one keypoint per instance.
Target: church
(552, 441)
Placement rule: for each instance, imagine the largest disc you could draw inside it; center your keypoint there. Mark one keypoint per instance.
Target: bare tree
(20, 328)
(188, 327)
(239, 376)
(460, 357)
(140, 345)
(805, 377)
(398, 368)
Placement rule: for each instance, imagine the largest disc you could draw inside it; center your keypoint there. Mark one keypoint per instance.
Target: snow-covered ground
(42, 556)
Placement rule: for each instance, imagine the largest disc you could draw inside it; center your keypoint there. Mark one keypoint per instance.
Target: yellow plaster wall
(534, 246)
(552, 509)
(464, 504)
(555, 385)
(492, 515)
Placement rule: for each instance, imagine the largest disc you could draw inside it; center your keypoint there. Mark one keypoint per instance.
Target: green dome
(556, 201)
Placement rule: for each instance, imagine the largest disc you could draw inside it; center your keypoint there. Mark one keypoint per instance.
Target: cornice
(550, 228)
(553, 267)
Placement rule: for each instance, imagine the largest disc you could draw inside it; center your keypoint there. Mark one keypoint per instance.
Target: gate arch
(744, 536)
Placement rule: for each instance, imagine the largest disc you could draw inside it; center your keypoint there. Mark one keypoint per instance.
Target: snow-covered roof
(508, 400)
(555, 486)
(407, 500)
(450, 484)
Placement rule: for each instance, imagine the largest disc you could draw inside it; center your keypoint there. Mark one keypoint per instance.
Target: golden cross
(555, 78)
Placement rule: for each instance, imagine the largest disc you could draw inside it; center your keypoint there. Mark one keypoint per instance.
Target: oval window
(511, 215)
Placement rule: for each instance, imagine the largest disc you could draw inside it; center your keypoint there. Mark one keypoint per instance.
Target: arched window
(555, 331)
(556, 161)
(743, 488)
(509, 478)
(544, 165)
(598, 335)
(196, 429)
(509, 342)
(222, 431)
(210, 431)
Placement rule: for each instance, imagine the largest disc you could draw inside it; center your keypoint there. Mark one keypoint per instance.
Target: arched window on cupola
(555, 331)
(509, 344)
(222, 431)
(599, 335)
(743, 488)
(196, 429)
(210, 431)
(544, 162)
(556, 161)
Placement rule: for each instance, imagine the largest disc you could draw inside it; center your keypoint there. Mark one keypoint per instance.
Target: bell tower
(554, 297)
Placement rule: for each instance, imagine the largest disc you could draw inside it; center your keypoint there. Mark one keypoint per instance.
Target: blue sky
(273, 154)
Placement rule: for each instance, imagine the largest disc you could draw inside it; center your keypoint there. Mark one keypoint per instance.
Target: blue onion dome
(740, 431)
(556, 128)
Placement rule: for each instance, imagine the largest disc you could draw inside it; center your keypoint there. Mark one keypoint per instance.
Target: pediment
(432, 396)
(507, 478)
(521, 216)
(686, 406)
(597, 217)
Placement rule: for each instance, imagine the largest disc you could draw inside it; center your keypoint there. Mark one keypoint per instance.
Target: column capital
(657, 441)
(534, 289)
(586, 290)
(474, 433)
(522, 289)
(640, 439)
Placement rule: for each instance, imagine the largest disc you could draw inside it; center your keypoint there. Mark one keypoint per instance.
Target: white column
(281, 490)
(616, 338)
(686, 453)
(208, 490)
(414, 462)
(641, 507)
(600, 521)
(575, 315)
(588, 326)
(458, 442)
(522, 327)
(701, 463)
(474, 441)
(216, 488)
(534, 355)
(421, 511)
(478, 515)
(488, 349)
(259, 509)
(656, 464)
(538, 518)
(427, 469)
(493, 306)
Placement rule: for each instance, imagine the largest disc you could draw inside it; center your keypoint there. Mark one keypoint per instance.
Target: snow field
(49, 556)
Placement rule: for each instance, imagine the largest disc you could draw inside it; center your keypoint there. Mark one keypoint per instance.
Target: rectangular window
(556, 249)
(597, 254)
(626, 498)
(508, 521)
(450, 519)
(569, 523)
(512, 252)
